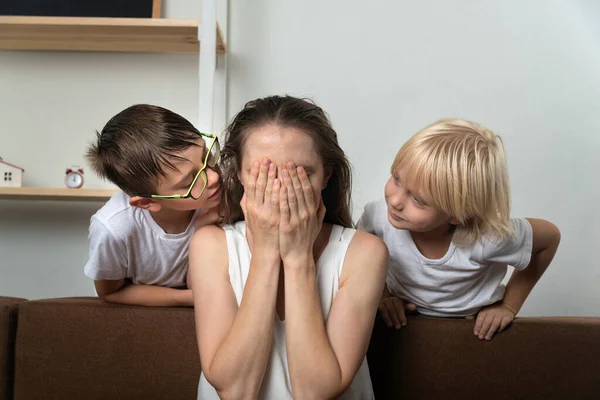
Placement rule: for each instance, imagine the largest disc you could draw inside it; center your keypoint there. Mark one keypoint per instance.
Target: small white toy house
(10, 175)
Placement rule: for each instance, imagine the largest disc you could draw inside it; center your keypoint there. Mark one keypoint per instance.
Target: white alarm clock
(74, 177)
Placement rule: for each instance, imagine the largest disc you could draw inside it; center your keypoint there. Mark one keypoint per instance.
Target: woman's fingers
(261, 182)
(271, 175)
(297, 187)
(307, 192)
(250, 186)
(275, 199)
(284, 208)
(290, 195)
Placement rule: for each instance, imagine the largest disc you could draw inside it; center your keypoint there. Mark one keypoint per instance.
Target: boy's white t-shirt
(126, 243)
(458, 284)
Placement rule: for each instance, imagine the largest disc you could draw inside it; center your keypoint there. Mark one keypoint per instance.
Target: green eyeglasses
(195, 191)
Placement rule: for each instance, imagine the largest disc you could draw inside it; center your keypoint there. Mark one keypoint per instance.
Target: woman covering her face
(286, 291)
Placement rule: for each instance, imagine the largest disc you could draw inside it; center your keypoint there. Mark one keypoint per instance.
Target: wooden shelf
(29, 193)
(156, 35)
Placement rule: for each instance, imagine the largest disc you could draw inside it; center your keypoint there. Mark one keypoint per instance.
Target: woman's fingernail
(265, 161)
(271, 167)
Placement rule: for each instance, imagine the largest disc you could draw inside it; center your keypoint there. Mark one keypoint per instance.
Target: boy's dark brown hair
(292, 112)
(138, 145)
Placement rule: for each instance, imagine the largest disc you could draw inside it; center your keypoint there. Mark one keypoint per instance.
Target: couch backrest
(536, 358)
(87, 349)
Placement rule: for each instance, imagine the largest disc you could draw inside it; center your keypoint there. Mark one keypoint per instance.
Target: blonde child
(446, 221)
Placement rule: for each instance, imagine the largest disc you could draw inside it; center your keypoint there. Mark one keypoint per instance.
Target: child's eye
(397, 179)
(418, 202)
(186, 184)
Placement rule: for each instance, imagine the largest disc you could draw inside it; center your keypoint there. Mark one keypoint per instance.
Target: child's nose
(397, 200)
(212, 177)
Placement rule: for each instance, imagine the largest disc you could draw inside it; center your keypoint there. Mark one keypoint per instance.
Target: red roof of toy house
(12, 165)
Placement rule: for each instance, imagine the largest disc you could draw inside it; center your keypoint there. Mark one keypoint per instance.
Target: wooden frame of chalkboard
(87, 8)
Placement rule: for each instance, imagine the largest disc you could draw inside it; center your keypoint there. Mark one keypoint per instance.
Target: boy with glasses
(170, 186)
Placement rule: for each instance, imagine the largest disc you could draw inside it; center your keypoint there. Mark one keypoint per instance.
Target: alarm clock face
(74, 180)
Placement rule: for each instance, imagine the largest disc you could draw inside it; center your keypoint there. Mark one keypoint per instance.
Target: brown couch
(8, 328)
(82, 348)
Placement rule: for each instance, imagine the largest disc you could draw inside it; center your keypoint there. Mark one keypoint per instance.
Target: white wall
(528, 70)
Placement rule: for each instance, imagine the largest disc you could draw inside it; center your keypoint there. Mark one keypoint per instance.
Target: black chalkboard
(78, 8)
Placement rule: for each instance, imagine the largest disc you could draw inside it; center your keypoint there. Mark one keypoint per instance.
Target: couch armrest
(8, 327)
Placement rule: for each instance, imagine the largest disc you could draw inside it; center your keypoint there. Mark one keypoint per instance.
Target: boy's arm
(122, 292)
(546, 237)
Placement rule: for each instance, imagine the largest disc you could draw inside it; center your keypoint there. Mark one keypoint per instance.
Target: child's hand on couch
(492, 319)
(393, 311)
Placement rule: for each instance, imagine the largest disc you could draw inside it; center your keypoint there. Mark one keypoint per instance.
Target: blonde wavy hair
(459, 167)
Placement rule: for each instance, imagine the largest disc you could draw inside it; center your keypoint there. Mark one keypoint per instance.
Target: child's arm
(497, 317)
(122, 292)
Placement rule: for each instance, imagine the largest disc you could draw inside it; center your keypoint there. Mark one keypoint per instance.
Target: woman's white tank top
(276, 382)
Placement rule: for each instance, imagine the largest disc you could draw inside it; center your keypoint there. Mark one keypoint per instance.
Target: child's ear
(145, 203)
(454, 221)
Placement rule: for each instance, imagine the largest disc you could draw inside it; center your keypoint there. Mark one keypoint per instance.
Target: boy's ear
(145, 203)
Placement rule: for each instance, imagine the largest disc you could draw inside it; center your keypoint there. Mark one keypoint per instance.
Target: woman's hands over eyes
(260, 205)
(282, 218)
(301, 218)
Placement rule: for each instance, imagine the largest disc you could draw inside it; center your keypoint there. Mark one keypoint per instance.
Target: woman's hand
(301, 219)
(260, 205)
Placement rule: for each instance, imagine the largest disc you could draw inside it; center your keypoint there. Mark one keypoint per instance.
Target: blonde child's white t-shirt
(458, 284)
(126, 243)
